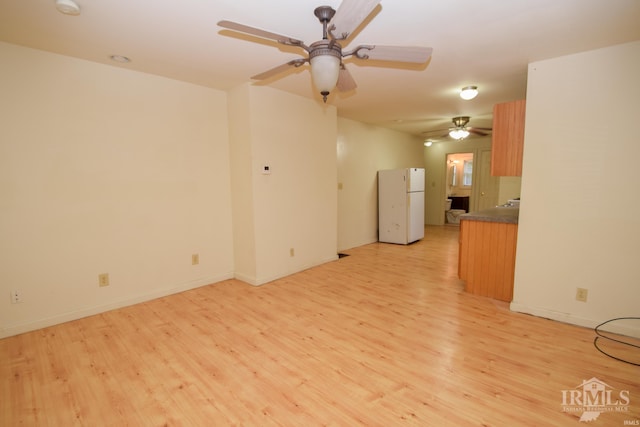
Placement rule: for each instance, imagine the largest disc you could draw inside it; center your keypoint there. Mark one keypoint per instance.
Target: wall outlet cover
(103, 279)
(581, 294)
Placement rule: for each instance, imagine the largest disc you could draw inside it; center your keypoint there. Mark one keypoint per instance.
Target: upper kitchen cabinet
(508, 138)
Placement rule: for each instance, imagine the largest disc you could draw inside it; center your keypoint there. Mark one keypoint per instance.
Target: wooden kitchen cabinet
(487, 258)
(507, 140)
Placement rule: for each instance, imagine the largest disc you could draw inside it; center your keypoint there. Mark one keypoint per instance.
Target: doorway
(459, 185)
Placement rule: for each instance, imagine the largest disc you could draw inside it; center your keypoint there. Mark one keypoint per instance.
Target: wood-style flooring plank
(385, 336)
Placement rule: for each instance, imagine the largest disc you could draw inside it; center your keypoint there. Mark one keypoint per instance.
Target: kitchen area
(488, 237)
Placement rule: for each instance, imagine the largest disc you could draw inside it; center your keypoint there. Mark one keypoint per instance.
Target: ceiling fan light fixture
(458, 134)
(325, 61)
(468, 92)
(324, 71)
(328, 72)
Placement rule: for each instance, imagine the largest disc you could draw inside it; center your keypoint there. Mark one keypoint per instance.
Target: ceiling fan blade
(350, 14)
(436, 130)
(345, 80)
(260, 33)
(279, 69)
(413, 54)
(475, 131)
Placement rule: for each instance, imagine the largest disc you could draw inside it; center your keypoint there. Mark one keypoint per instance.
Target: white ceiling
(487, 43)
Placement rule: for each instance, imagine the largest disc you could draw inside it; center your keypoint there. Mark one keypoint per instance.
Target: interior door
(489, 186)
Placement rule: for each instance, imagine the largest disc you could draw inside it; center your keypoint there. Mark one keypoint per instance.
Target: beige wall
(295, 206)
(362, 151)
(241, 160)
(579, 222)
(510, 187)
(103, 170)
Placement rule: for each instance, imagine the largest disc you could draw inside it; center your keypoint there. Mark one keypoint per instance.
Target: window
(467, 173)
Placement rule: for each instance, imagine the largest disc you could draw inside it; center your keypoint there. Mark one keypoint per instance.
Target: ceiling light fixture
(68, 7)
(468, 92)
(460, 131)
(428, 143)
(458, 134)
(325, 58)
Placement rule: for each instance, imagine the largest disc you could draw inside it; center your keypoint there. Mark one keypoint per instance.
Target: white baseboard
(259, 281)
(36, 324)
(246, 279)
(615, 327)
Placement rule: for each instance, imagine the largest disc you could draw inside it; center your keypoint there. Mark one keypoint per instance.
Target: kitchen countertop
(501, 214)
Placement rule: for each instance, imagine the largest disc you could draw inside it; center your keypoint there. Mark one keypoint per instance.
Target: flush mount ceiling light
(68, 7)
(468, 92)
(428, 143)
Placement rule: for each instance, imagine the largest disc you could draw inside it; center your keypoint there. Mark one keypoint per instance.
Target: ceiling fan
(325, 56)
(460, 130)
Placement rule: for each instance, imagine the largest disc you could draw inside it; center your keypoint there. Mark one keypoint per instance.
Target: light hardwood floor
(383, 337)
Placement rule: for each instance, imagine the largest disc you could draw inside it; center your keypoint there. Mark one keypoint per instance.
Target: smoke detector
(68, 7)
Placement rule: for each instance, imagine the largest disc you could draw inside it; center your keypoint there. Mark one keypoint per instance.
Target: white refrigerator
(401, 205)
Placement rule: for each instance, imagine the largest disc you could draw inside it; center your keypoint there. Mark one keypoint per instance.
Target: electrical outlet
(103, 279)
(16, 297)
(581, 294)
(195, 259)
(292, 252)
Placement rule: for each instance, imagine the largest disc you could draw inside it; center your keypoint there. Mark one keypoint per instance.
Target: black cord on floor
(600, 335)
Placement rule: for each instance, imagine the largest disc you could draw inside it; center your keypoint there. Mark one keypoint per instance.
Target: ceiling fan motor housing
(460, 121)
(325, 47)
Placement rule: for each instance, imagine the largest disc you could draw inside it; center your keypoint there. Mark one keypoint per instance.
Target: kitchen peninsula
(487, 255)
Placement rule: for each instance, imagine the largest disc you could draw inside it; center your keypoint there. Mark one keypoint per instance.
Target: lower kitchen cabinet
(487, 258)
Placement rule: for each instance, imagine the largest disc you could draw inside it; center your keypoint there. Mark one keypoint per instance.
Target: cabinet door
(487, 258)
(507, 140)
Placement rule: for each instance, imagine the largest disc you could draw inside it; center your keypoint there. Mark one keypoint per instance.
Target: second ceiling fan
(325, 56)
(460, 130)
